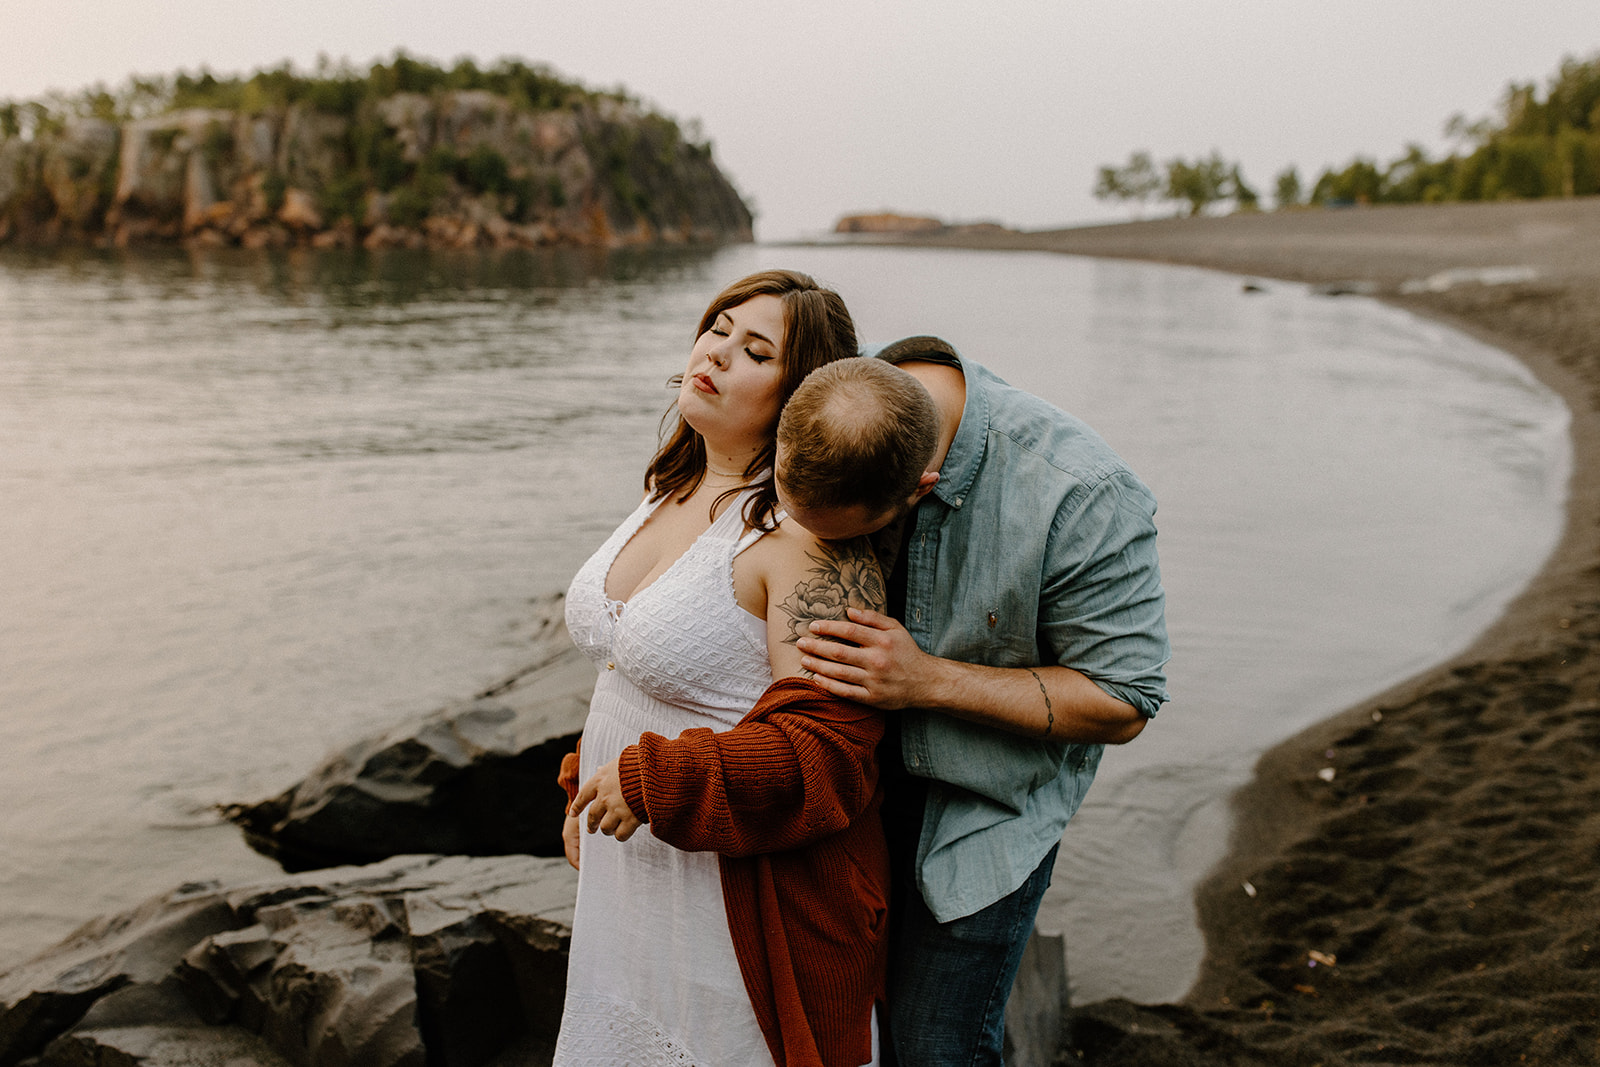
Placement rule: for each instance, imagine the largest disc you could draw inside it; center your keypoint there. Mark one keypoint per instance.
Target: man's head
(854, 443)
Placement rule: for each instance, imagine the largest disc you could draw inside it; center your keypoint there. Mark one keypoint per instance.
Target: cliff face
(462, 168)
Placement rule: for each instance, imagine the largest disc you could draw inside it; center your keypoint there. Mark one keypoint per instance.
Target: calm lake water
(254, 507)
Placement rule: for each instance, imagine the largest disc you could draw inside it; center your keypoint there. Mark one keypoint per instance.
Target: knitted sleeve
(567, 777)
(799, 767)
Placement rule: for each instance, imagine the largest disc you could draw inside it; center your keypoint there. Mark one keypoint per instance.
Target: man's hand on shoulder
(871, 659)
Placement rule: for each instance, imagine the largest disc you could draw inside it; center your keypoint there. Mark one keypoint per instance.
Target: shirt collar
(961, 463)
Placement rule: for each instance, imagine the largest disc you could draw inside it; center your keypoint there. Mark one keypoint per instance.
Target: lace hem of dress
(602, 1032)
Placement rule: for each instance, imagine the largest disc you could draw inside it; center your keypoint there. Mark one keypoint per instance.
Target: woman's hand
(569, 839)
(608, 812)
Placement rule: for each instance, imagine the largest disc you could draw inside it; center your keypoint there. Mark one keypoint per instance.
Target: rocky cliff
(442, 167)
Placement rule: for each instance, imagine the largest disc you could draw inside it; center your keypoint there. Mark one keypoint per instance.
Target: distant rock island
(889, 223)
(407, 154)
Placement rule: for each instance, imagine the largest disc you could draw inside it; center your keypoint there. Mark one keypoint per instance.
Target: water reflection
(362, 278)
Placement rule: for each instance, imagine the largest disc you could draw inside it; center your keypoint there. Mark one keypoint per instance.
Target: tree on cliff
(405, 152)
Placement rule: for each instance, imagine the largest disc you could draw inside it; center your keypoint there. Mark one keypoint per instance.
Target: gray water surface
(256, 506)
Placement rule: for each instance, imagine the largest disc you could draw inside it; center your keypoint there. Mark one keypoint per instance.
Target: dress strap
(752, 536)
(729, 523)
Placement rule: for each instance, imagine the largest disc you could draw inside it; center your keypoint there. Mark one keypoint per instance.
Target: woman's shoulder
(802, 567)
(804, 579)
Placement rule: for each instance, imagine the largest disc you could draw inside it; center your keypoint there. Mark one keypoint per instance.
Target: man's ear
(925, 485)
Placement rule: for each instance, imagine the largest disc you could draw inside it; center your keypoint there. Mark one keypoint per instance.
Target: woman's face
(730, 389)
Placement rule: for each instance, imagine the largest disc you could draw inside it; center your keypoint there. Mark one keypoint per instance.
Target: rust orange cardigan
(789, 801)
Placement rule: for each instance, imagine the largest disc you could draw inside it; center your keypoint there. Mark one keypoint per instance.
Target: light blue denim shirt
(1036, 546)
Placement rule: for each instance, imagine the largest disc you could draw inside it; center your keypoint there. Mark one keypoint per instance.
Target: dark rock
(1036, 1014)
(52, 992)
(118, 1030)
(1348, 288)
(475, 779)
(421, 959)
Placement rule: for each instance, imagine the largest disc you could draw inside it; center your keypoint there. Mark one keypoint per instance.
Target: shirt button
(611, 666)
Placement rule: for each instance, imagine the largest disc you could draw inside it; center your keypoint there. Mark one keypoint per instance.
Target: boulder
(474, 779)
(299, 211)
(155, 1025)
(420, 959)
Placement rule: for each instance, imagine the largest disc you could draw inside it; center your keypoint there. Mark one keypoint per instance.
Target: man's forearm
(1045, 702)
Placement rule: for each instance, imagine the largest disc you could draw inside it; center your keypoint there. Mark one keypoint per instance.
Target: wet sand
(1416, 880)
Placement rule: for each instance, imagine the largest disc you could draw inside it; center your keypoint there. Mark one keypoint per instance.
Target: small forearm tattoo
(843, 575)
(1049, 709)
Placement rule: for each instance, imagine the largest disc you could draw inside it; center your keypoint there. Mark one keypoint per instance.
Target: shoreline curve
(1435, 901)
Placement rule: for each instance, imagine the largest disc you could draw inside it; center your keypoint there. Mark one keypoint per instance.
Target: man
(1032, 635)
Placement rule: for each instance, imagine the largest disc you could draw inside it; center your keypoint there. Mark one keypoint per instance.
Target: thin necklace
(736, 475)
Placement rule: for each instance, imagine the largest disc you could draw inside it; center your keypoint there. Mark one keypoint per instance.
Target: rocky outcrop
(888, 222)
(413, 959)
(474, 779)
(418, 960)
(464, 168)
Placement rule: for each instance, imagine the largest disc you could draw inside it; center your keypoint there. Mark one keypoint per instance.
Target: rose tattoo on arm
(843, 575)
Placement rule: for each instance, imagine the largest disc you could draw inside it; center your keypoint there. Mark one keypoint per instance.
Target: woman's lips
(703, 383)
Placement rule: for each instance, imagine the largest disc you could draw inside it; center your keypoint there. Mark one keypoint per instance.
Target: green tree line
(335, 88)
(1535, 147)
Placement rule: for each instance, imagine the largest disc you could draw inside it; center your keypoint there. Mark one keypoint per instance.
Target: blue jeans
(948, 982)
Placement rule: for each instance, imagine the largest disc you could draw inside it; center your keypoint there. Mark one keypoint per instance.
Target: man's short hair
(857, 432)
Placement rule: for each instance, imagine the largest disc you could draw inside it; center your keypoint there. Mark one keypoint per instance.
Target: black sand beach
(1437, 900)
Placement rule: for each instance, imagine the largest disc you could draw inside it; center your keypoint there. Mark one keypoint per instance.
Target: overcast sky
(1001, 111)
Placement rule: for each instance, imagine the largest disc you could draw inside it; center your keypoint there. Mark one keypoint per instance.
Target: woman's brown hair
(817, 329)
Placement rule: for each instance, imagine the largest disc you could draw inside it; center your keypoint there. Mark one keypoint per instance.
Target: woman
(744, 923)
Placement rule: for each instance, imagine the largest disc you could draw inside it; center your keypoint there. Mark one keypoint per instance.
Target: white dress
(652, 977)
